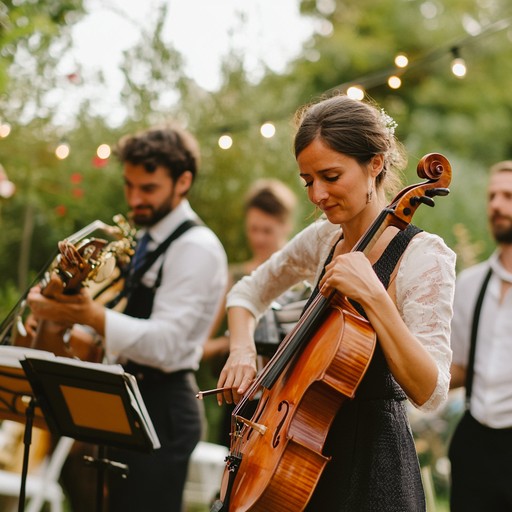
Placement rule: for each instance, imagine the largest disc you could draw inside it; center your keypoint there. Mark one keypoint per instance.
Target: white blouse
(425, 284)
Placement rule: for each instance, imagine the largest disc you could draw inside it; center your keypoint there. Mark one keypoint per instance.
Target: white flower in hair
(389, 123)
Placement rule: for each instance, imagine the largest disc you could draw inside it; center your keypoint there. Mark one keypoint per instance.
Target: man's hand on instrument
(237, 375)
(31, 325)
(44, 308)
(66, 309)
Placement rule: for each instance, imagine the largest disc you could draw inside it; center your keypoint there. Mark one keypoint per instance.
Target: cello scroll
(436, 169)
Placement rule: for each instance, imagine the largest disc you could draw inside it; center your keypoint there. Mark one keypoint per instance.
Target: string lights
(268, 130)
(356, 89)
(458, 64)
(7, 187)
(402, 64)
(5, 130)
(62, 151)
(103, 152)
(225, 141)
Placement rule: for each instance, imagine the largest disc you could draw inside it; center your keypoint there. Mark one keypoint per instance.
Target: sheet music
(139, 406)
(115, 369)
(11, 355)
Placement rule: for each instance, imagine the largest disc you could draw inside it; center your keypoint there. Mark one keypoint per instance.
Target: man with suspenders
(174, 288)
(481, 448)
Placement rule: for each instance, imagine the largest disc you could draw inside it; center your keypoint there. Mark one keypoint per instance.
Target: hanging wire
(381, 77)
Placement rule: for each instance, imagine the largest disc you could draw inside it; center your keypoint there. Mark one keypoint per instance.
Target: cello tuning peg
(422, 199)
(431, 192)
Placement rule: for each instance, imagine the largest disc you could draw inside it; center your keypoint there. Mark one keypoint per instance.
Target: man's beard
(153, 216)
(502, 234)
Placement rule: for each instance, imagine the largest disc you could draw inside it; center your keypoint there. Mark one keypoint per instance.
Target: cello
(276, 456)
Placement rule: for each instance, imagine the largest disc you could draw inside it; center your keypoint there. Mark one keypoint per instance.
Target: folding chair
(42, 486)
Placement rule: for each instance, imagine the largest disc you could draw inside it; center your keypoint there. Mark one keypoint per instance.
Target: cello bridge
(258, 427)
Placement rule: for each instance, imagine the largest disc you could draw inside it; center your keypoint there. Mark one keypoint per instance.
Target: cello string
(255, 386)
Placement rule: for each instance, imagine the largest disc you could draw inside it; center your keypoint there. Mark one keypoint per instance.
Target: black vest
(140, 297)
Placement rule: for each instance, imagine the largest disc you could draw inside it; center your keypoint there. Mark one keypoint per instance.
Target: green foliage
(153, 71)
(466, 120)
(29, 27)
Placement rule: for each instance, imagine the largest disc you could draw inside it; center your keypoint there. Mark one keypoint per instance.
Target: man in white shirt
(481, 448)
(173, 297)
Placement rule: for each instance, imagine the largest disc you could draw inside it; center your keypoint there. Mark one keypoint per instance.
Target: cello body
(287, 460)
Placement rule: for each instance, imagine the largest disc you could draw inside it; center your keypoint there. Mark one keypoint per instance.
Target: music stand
(91, 402)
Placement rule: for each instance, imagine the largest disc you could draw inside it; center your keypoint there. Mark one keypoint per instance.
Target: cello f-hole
(277, 434)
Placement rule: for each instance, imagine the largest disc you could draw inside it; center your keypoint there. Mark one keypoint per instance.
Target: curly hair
(170, 147)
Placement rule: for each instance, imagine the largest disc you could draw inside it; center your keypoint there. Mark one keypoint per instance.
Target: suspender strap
(154, 255)
(384, 266)
(474, 331)
(150, 258)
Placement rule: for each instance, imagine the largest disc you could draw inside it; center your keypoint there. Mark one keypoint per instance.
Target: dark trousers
(156, 481)
(481, 466)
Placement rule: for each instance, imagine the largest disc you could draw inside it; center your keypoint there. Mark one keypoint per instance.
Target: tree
(355, 41)
(466, 119)
(29, 28)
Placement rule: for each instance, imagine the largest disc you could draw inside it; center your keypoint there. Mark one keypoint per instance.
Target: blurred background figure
(269, 220)
(269, 210)
(481, 448)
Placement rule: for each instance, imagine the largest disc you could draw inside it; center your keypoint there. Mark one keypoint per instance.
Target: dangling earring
(369, 194)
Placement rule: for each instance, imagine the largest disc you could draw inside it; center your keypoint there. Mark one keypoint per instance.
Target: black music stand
(95, 403)
(89, 402)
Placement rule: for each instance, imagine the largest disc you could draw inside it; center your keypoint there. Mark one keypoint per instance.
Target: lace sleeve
(425, 287)
(300, 260)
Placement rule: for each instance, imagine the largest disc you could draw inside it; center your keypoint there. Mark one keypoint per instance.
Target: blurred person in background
(480, 451)
(269, 210)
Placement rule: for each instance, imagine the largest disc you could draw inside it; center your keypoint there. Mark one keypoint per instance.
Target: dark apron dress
(374, 466)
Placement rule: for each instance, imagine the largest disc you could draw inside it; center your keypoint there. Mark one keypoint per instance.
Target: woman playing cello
(348, 159)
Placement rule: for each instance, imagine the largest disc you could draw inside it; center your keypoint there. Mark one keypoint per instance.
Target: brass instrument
(82, 261)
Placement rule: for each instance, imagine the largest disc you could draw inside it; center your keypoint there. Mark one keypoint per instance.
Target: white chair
(43, 486)
(205, 473)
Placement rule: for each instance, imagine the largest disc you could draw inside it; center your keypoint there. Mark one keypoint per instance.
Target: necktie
(141, 252)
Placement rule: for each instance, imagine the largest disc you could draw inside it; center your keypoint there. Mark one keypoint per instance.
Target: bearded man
(174, 289)
(481, 448)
